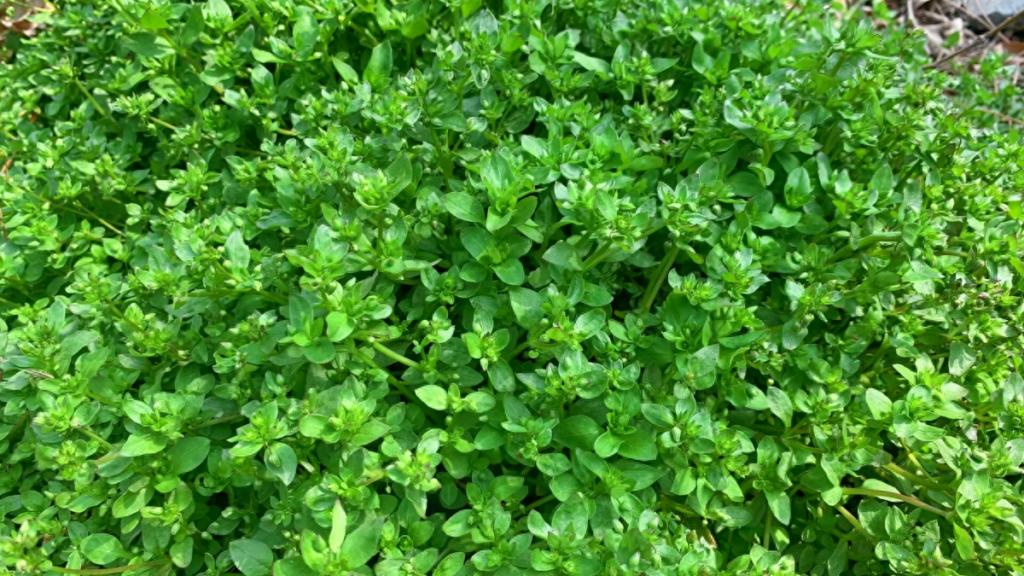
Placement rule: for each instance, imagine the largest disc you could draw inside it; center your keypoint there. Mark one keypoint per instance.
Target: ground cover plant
(588, 287)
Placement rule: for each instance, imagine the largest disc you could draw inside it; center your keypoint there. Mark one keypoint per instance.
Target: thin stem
(910, 454)
(977, 42)
(866, 242)
(160, 122)
(380, 233)
(767, 530)
(396, 356)
(541, 502)
(854, 521)
(117, 570)
(108, 225)
(217, 421)
(117, 312)
(220, 294)
(397, 384)
(107, 445)
(526, 345)
(71, 209)
(895, 496)
(892, 467)
(598, 255)
(659, 279)
(91, 99)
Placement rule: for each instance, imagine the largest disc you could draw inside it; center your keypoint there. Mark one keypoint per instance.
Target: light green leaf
(433, 396)
(101, 549)
(339, 524)
(252, 557)
(464, 207)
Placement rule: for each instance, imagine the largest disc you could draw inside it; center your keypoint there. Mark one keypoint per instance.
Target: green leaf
(961, 358)
(368, 432)
(339, 524)
(101, 549)
(464, 207)
(251, 557)
(187, 454)
(321, 351)
(292, 566)
(378, 69)
(882, 181)
(526, 305)
(511, 272)
(281, 461)
(798, 188)
(878, 403)
(339, 326)
(217, 11)
(607, 445)
(348, 73)
(778, 501)
(143, 443)
(300, 312)
(837, 561)
(964, 542)
(152, 20)
(361, 544)
(236, 251)
(780, 405)
(476, 241)
(564, 256)
(577, 432)
(433, 396)
(648, 162)
(181, 553)
(591, 63)
(149, 45)
(305, 31)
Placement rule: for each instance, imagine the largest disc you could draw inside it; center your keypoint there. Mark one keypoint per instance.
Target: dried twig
(3, 172)
(981, 39)
(1001, 116)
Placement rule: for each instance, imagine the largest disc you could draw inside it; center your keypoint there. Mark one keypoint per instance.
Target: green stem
(598, 255)
(108, 225)
(91, 99)
(431, 414)
(380, 234)
(217, 421)
(659, 279)
(854, 521)
(117, 570)
(895, 496)
(71, 209)
(107, 445)
(221, 294)
(396, 356)
(541, 502)
(526, 345)
(160, 122)
(910, 454)
(865, 243)
(892, 467)
(117, 312)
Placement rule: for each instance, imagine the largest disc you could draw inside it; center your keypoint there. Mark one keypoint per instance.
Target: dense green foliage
(587, 287)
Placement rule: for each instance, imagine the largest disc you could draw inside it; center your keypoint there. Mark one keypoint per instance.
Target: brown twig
(984, 22)
(981, 39)
(1001, 116)
(3, 172)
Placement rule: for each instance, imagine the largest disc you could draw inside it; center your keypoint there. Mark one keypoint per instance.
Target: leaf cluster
(452, 287)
